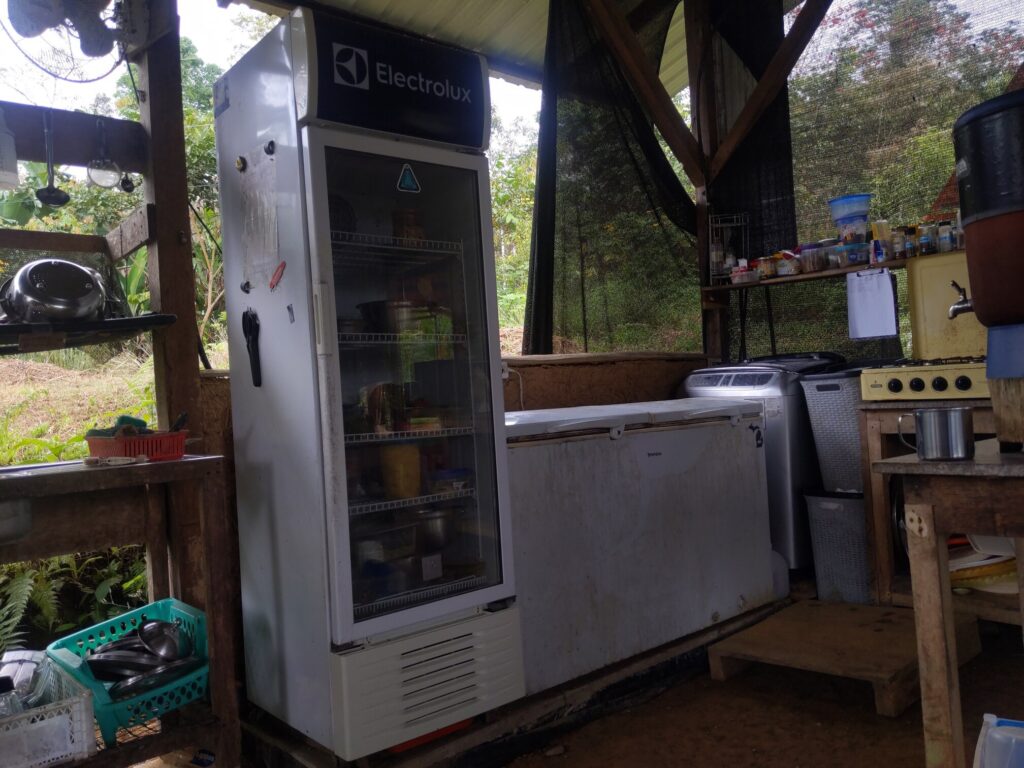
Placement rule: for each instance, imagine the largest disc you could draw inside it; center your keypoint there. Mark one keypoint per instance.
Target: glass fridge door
(409, 297)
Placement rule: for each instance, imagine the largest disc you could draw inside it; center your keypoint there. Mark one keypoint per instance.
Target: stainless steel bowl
(53, 289)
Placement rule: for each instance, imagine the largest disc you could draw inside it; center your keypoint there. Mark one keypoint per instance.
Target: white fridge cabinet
(634, 525)
(374, 534)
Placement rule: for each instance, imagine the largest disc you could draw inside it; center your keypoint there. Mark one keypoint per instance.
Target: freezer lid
(702, 408)
(549, 421)
(553, 420)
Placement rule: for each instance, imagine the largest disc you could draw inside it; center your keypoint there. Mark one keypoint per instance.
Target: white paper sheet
(871, 304)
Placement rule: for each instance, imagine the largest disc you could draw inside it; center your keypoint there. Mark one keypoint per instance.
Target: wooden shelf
(990, 606)
(893, 264)
(194, 727)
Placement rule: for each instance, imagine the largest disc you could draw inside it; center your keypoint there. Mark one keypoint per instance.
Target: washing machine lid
(800, 362)
(550, 421)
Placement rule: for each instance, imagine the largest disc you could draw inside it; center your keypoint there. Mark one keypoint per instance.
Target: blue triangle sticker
(407, 180)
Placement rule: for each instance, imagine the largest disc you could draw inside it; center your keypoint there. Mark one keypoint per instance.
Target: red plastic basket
(159, 446)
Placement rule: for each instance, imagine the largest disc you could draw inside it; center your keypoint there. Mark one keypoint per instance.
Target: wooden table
(984, 496)
(879, 441)
(80, 509)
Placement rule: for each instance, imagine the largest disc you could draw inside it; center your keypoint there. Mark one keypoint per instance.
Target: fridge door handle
(319, 328)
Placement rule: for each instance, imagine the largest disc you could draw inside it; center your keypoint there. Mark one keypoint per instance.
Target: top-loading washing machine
(790, 456)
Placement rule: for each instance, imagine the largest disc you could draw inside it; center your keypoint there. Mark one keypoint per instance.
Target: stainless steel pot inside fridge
(941, 433)
(53, 289)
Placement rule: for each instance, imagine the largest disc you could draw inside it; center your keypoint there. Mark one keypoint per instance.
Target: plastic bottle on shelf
(946, 241)
(10, 704)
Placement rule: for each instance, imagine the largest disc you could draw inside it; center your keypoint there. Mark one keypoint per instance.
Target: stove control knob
(939, 384)
(895, 385)
(917, 384)
(963, 383)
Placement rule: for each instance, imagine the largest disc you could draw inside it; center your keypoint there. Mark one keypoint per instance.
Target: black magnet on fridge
(251, 330)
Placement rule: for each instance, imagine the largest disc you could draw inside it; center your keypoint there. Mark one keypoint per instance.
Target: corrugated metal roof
(510, 33)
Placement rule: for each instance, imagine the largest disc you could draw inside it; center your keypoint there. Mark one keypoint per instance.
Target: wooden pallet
(876, 644)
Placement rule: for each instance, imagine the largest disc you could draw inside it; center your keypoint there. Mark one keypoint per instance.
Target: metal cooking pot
(53, 289)
(436, 528)
(942, 434)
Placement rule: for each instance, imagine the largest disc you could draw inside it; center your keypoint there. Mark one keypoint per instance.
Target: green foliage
(15, 592)
(134, 283)
(52, 597)
(513, 167)
(16, 448)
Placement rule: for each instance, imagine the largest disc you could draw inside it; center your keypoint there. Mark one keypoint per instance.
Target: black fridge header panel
(377, 78)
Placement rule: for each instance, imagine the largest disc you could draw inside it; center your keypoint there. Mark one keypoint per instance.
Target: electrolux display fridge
(376, 566)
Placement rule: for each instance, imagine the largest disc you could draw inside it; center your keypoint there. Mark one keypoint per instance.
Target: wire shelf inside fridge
(355, 510)
(358, 248)
(411, 434)
(421, 595)
(373, 339)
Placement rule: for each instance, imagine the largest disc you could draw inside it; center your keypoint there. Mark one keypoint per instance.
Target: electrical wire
(202, 223)
(521, 392)
(135, 88)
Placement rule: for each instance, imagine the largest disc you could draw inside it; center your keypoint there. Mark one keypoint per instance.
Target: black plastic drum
(989, 144)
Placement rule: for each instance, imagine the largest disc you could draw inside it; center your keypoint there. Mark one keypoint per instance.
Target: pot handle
(899, 431)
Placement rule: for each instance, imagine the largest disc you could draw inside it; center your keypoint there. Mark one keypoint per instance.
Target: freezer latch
(616, 432)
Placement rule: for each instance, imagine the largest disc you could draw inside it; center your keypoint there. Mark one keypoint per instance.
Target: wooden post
(701, 66)
(171, 277)
(936, 640)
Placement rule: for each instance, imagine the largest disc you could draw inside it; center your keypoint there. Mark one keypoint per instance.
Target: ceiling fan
(62, 36)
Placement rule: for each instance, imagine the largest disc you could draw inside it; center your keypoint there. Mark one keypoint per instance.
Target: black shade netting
(872, 102)
(613, 259)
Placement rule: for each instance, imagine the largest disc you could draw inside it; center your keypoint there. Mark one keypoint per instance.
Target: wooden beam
(771, 82)
(171, 276)
(172, 279)
(75, 137)
(701, 67)
(61, 242)
(640, 72)
(135, 231)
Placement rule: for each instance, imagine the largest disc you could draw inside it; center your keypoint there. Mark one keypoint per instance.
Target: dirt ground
(770, 717)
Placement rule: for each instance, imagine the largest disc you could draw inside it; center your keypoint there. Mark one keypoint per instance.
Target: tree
(513, 167)
(873, 101)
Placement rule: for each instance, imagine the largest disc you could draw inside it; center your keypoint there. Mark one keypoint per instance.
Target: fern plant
(15, 592)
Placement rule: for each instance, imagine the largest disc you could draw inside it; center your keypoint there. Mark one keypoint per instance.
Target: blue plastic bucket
(850, 205)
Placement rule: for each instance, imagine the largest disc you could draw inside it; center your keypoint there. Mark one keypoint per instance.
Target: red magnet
(278, 274)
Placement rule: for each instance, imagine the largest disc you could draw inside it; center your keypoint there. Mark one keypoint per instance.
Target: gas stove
(944, 379)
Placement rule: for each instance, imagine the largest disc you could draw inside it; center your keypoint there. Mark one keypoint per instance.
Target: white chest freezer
(634, 525)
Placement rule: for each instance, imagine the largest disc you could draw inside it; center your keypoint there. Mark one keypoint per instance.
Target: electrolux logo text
(352, 69)
(440, 88)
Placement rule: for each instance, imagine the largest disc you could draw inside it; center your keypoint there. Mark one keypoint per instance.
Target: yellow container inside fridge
(934, 335)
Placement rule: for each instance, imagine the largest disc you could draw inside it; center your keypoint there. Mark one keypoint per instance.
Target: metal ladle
(50, 195)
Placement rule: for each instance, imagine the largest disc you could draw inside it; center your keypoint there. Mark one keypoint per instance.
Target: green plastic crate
(71, 652)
